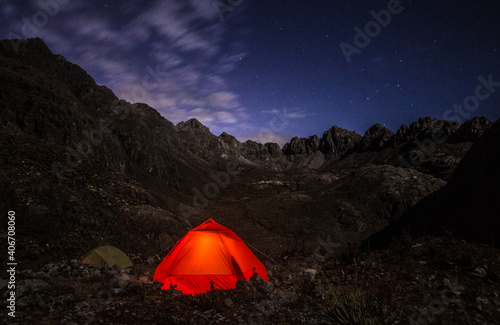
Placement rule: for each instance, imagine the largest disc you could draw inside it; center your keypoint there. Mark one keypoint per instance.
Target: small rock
(266, 308)
(147, 284)
(228, 302)
(268, 287)
(242, 285)
(152, 286)
(125, 276)
(312, 272)
(479, 272)
(290, 296)
(119, 282)
(125, 271)
(117, 291)
(31, 285)
(481, 300)
(82, 306)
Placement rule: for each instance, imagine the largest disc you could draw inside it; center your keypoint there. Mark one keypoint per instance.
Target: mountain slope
(468, 205)
(75, 157)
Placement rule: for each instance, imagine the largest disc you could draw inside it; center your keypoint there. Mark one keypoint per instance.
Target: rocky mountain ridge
(338, 143)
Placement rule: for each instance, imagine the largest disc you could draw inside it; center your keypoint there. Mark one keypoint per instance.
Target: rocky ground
(425, 281)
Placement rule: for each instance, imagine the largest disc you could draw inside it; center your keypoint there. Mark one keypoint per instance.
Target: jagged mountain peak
(23, 46)
(228, 139)
(299, 146)
(338, 141)
(375, 127)
(425, 128)
(471, 130)
(431, 124)
(375, 138)
(32, 59)
(192, 124)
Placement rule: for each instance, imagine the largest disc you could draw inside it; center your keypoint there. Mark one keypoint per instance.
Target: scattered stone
(312, 272)
(481, 300)
(228, 302)
(31, 285)
(126, 277)
(117, 291)
(289, 296)
(479, 272)
(82, 306)
(268, 287)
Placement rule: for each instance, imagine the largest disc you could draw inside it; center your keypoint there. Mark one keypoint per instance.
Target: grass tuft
(359, 308)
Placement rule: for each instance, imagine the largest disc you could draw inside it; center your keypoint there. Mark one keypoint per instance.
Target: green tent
(107, 255)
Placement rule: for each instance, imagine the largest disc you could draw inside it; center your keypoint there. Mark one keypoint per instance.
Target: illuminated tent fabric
(208, 256)
(107, 255)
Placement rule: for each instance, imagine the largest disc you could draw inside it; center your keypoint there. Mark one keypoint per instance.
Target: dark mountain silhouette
(468, 206)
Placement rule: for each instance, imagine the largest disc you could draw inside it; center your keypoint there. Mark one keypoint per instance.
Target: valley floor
(425, 281)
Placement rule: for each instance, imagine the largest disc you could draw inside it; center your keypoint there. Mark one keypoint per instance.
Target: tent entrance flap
(237, 271)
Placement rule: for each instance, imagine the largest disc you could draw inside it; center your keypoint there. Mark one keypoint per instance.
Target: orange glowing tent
(208, 256)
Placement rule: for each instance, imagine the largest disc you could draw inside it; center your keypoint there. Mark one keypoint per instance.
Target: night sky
(271, 70)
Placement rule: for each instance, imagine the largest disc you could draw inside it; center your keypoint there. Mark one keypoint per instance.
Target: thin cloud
(223, 99)
(286, 113)
(173, 55)
(264, 137)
